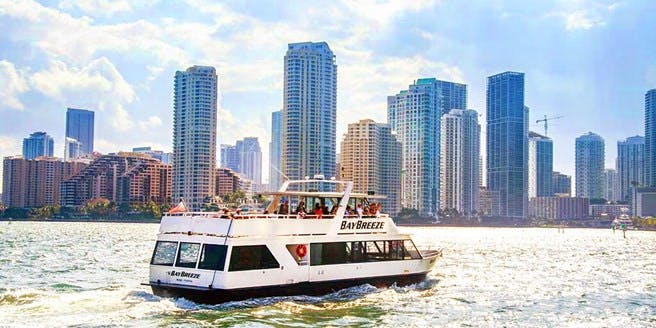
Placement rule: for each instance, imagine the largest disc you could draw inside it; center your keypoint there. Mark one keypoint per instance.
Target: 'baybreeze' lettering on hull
(361, 225)
(183, 274)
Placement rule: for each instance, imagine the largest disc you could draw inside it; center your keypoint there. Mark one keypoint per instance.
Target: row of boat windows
(257, 257)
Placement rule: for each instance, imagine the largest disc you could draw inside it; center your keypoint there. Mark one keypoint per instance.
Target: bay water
(55, 274)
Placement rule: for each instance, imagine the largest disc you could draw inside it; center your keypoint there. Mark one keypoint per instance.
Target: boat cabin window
(257, 257)
(164, 253)
(187, 255)
(362, 251)
(213, 257)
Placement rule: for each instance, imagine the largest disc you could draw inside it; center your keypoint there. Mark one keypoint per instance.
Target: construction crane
(547, 119)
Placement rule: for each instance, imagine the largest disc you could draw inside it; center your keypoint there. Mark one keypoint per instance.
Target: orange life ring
(301, 250)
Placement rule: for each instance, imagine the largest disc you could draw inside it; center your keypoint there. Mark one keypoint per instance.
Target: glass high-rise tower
(80, 126)
(414, 115)
(275, 151)
(507, 142)
(630, 166)
(589, 174)
(309, 111)
(194, 135)
(650, 138)
(38, 144)
(540, 165)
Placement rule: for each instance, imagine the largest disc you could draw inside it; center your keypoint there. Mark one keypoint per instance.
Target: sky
(588, 61)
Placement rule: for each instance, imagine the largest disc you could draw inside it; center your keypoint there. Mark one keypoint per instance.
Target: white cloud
(97, 7)
(60, 35)
(12, 84)
(150, 123)
(650, 75)
(105, 146)
(583, 14)
(582, 20)
(98, 85)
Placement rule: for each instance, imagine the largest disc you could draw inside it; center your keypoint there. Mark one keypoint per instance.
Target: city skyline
(127, 83)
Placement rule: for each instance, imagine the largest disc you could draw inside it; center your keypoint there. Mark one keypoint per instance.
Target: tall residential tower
(309, 111)
(459, 160)
(507, 142)
(370, 157)
(589, 174)
(650, 138)
(275, 151)
(38, 144)
(540, 165)
(630, 166)
(194, 135)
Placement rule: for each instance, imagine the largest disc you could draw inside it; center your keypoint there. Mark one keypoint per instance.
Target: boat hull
(216, 296)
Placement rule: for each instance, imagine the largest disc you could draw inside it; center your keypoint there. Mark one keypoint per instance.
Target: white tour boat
(342, 241)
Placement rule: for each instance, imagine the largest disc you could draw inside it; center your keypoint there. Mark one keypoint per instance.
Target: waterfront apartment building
(630, 166)
(194, 135)
(124, 178)
(558, 208)
(309, 114)
(459, 161)
(38, 144)
(453, 96)
(275, 151)
(250, 159)
(606, 211)
(414, 116)
(561, 184)
(589, 165)
(650, 138)
(227, 181)
(370, 157)
(230, 157)
(30, 183)
(507, 142)
(540, 165)
(611, 185)
(80, 126)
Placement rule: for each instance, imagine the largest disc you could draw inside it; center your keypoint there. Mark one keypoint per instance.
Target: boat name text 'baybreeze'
(361, 225)
(184, 274)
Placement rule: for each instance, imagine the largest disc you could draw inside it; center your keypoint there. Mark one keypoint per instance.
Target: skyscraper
(80, 126)
(540, 165)
(630, 166)
(370, 157)
(453, 95)
(194, 135)
(250, 159)
(561, 183)
(650, 138)
(589, 166)
(611, 185)
(72, 149)
(275, 151)
(459, 166)
(507, 142)
(230, 157)
(38, 144)
(414, 116)
(309, 111)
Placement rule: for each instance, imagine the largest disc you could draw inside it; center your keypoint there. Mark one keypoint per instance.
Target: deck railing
(247, 216)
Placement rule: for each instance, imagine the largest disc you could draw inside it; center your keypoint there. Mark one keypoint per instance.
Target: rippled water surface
(89, 274)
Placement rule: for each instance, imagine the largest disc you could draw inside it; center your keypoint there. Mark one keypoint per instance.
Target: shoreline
(80, 220)
(410, 225)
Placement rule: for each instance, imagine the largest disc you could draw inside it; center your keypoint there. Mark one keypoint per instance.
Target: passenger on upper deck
(301, 207)
(360, 210)
(318, 211)
(284, 207)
